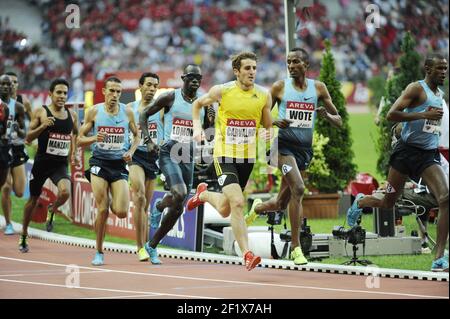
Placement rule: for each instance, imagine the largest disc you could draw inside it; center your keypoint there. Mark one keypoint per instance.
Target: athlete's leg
(120, 198)
(436, 180)
(294, 179)
(3, 176)
(100, 188)
(278, 203)
(27, 213)
(178, 195)
(137, 179)
(218, 201)
(63, 195)
(150, 185)
(394, 188)
(6, 199)
(396, 182)
(236, 200)
(19, 179)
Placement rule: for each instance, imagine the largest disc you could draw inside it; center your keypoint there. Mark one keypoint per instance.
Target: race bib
(58, 144)
(152, 131)
(182, 130)
(240, 131)
(432, 126)
(114, 140)
(300, 113)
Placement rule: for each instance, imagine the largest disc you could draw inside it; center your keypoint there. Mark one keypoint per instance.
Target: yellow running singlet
(239, 118)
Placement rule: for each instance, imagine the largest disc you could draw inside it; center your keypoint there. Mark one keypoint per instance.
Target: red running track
(46, 272)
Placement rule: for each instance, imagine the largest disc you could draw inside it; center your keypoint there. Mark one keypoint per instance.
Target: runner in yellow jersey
(243, 107)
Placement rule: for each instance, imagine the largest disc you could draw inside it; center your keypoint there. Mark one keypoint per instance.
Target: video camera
(274, 218)
(355, 235)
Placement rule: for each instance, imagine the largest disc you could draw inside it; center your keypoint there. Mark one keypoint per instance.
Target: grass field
(364, 135)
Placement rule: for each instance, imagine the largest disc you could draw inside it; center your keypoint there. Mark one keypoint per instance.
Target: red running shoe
(251, 261)
(195, 201)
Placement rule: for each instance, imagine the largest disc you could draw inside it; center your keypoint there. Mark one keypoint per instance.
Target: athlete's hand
(151, 147)
(101, 136)
(74, 160)
(284, 123)
(197, 135)
(322, 112)
(127, 156)
(433, 113)
(49, 121)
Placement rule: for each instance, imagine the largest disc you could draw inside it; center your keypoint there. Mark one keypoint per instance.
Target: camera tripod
(355, 259)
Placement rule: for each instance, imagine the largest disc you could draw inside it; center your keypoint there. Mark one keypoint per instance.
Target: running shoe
(153, 253)
(251, 216)
(251, 261)
(23, 245)
(440, 265)
(98, 259)
(142, 254)
(195, 201)
(9, 229)
(298, 257)
(354, 211)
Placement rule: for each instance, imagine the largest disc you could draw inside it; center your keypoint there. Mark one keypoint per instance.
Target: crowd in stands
(166, 34)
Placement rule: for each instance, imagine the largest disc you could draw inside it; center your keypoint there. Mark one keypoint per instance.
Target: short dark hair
(148, 75)
(112, 79)
(58, 81)
(429, 60)
(11, 73)
(188, 65)
(237, 59)
(305, 55)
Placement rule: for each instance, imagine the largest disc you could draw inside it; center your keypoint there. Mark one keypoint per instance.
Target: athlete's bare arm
(214, 95)
(266, 118)
(27, 105)
(277, 92)
(20, 116)
(412, 96)
(38, 124)
(165, 101)
(328, 111)
(83, 139)
(73, 139)
(136, 138)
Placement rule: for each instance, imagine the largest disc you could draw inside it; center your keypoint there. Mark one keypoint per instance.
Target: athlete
(111, 122)
(176, 152)
(416, 154)
(56, 129)
(243, 107)
(297, 98)
(15, 135)
(143, 167)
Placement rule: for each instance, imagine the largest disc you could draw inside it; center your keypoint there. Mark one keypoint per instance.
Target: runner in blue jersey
(143, 167)
(15, 132)
(111, 123)
(416, 154)
(175, 153)
(297, 98)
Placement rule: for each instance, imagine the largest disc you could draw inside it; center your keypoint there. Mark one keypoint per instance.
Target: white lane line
(234, 281)
(124, 297)
(47, 273)
(105, 289)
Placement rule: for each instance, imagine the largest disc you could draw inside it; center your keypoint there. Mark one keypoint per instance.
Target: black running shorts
(233, 171)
